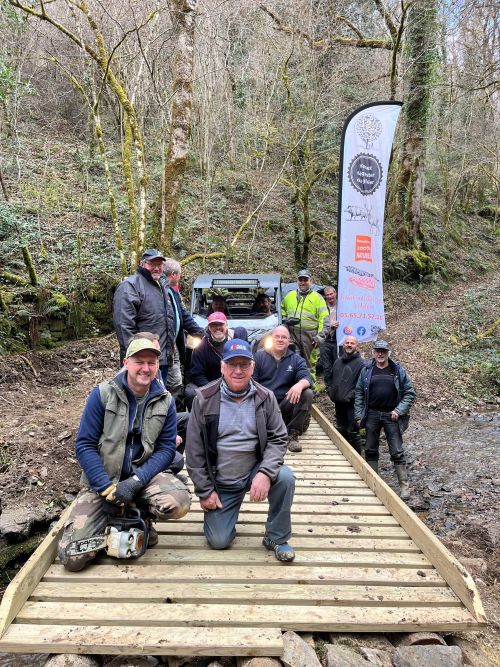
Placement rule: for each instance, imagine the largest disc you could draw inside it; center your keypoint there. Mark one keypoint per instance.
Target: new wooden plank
(310, 510)
(190, 521)
(261, 557)
(311, 467)
(308, 458)
(322, 483)
(282, 573)
(299, 542)
(447, 565)
(333, 499)
(353, 527)
(337, 490)
(325, 474)
(337, 485)
(283, 617)
(140, 640)
(222, 593)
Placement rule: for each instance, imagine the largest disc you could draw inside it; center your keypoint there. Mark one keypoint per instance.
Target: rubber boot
(373, 465)
(402, 475)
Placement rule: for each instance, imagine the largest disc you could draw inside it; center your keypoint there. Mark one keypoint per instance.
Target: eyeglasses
(243, 365)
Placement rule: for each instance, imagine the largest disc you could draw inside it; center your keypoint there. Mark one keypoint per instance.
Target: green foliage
(7, 81)
(409, 265)
(466, 349)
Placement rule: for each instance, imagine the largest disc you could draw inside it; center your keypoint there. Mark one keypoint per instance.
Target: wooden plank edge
(138, 640)
(31, 573)
(452, 571)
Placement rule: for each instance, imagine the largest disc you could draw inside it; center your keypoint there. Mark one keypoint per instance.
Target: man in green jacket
(306, 311)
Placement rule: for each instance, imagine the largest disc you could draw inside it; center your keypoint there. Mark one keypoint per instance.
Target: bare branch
(389, 22)
(344, 19)
(326, 44)
(62, 28)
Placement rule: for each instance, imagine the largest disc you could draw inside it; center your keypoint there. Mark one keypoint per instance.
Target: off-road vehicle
(240, 292)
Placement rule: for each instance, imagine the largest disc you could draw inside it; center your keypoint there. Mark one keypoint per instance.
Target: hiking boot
(152, 535)
(283, 552)
(293, 442)
(404, 487)
(373, 465)
(182, 477)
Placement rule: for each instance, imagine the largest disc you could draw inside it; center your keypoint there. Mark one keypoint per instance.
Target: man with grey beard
(342, 387)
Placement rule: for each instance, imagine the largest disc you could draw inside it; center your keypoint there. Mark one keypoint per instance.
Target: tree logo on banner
(365, 173)
(368, 128)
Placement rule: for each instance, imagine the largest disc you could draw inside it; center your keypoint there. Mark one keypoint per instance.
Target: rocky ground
(452, 442)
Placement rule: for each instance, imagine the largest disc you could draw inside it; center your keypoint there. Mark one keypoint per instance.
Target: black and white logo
(365, 173)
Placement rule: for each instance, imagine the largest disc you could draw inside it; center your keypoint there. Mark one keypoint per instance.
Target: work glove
(124, 492)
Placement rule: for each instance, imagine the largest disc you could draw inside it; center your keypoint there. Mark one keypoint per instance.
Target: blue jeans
(219, 524)
(375, 421)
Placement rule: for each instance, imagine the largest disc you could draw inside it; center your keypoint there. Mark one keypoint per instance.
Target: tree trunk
(420, 53)
(180, 124)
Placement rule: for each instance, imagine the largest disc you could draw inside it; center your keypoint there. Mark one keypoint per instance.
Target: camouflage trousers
(165, 497)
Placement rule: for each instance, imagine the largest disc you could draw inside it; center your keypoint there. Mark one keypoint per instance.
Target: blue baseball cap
(237, 348)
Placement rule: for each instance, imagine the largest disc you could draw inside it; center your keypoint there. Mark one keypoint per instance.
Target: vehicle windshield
(236, 303)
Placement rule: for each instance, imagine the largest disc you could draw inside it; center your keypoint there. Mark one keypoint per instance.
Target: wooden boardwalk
(364, 563)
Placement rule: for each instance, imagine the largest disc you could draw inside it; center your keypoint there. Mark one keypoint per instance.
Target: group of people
(246, 408)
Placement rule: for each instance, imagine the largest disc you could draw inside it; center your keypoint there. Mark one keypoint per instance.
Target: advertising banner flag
(364, 160)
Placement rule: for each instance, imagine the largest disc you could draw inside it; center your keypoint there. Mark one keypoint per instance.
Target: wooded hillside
(212, 130)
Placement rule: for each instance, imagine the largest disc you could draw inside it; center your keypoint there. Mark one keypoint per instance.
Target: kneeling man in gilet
(125, 441)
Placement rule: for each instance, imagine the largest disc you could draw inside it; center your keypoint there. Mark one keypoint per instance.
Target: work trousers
(375, 421)
(296, 415)
(346, 424)
(220, 524)
(174, 374)
(165, 497)
(303, 340)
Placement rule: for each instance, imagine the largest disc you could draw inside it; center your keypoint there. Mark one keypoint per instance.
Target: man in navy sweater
(206, 358)
(125, 440)
(285, 373)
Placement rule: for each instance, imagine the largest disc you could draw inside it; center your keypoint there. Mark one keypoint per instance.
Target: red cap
(217, 317)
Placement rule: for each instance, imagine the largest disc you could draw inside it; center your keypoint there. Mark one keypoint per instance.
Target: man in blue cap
(236, 441)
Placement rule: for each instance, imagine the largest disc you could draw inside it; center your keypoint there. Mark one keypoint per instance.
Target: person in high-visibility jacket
(304, 312)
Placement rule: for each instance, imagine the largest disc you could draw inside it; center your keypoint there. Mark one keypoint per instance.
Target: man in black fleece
(285, 373)
(345, 372)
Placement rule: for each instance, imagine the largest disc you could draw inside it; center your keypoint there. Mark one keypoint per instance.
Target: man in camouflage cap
(125, 441)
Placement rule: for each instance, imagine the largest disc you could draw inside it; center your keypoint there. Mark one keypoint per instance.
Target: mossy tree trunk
(180, 124)
(405, 205)
(99, 53)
